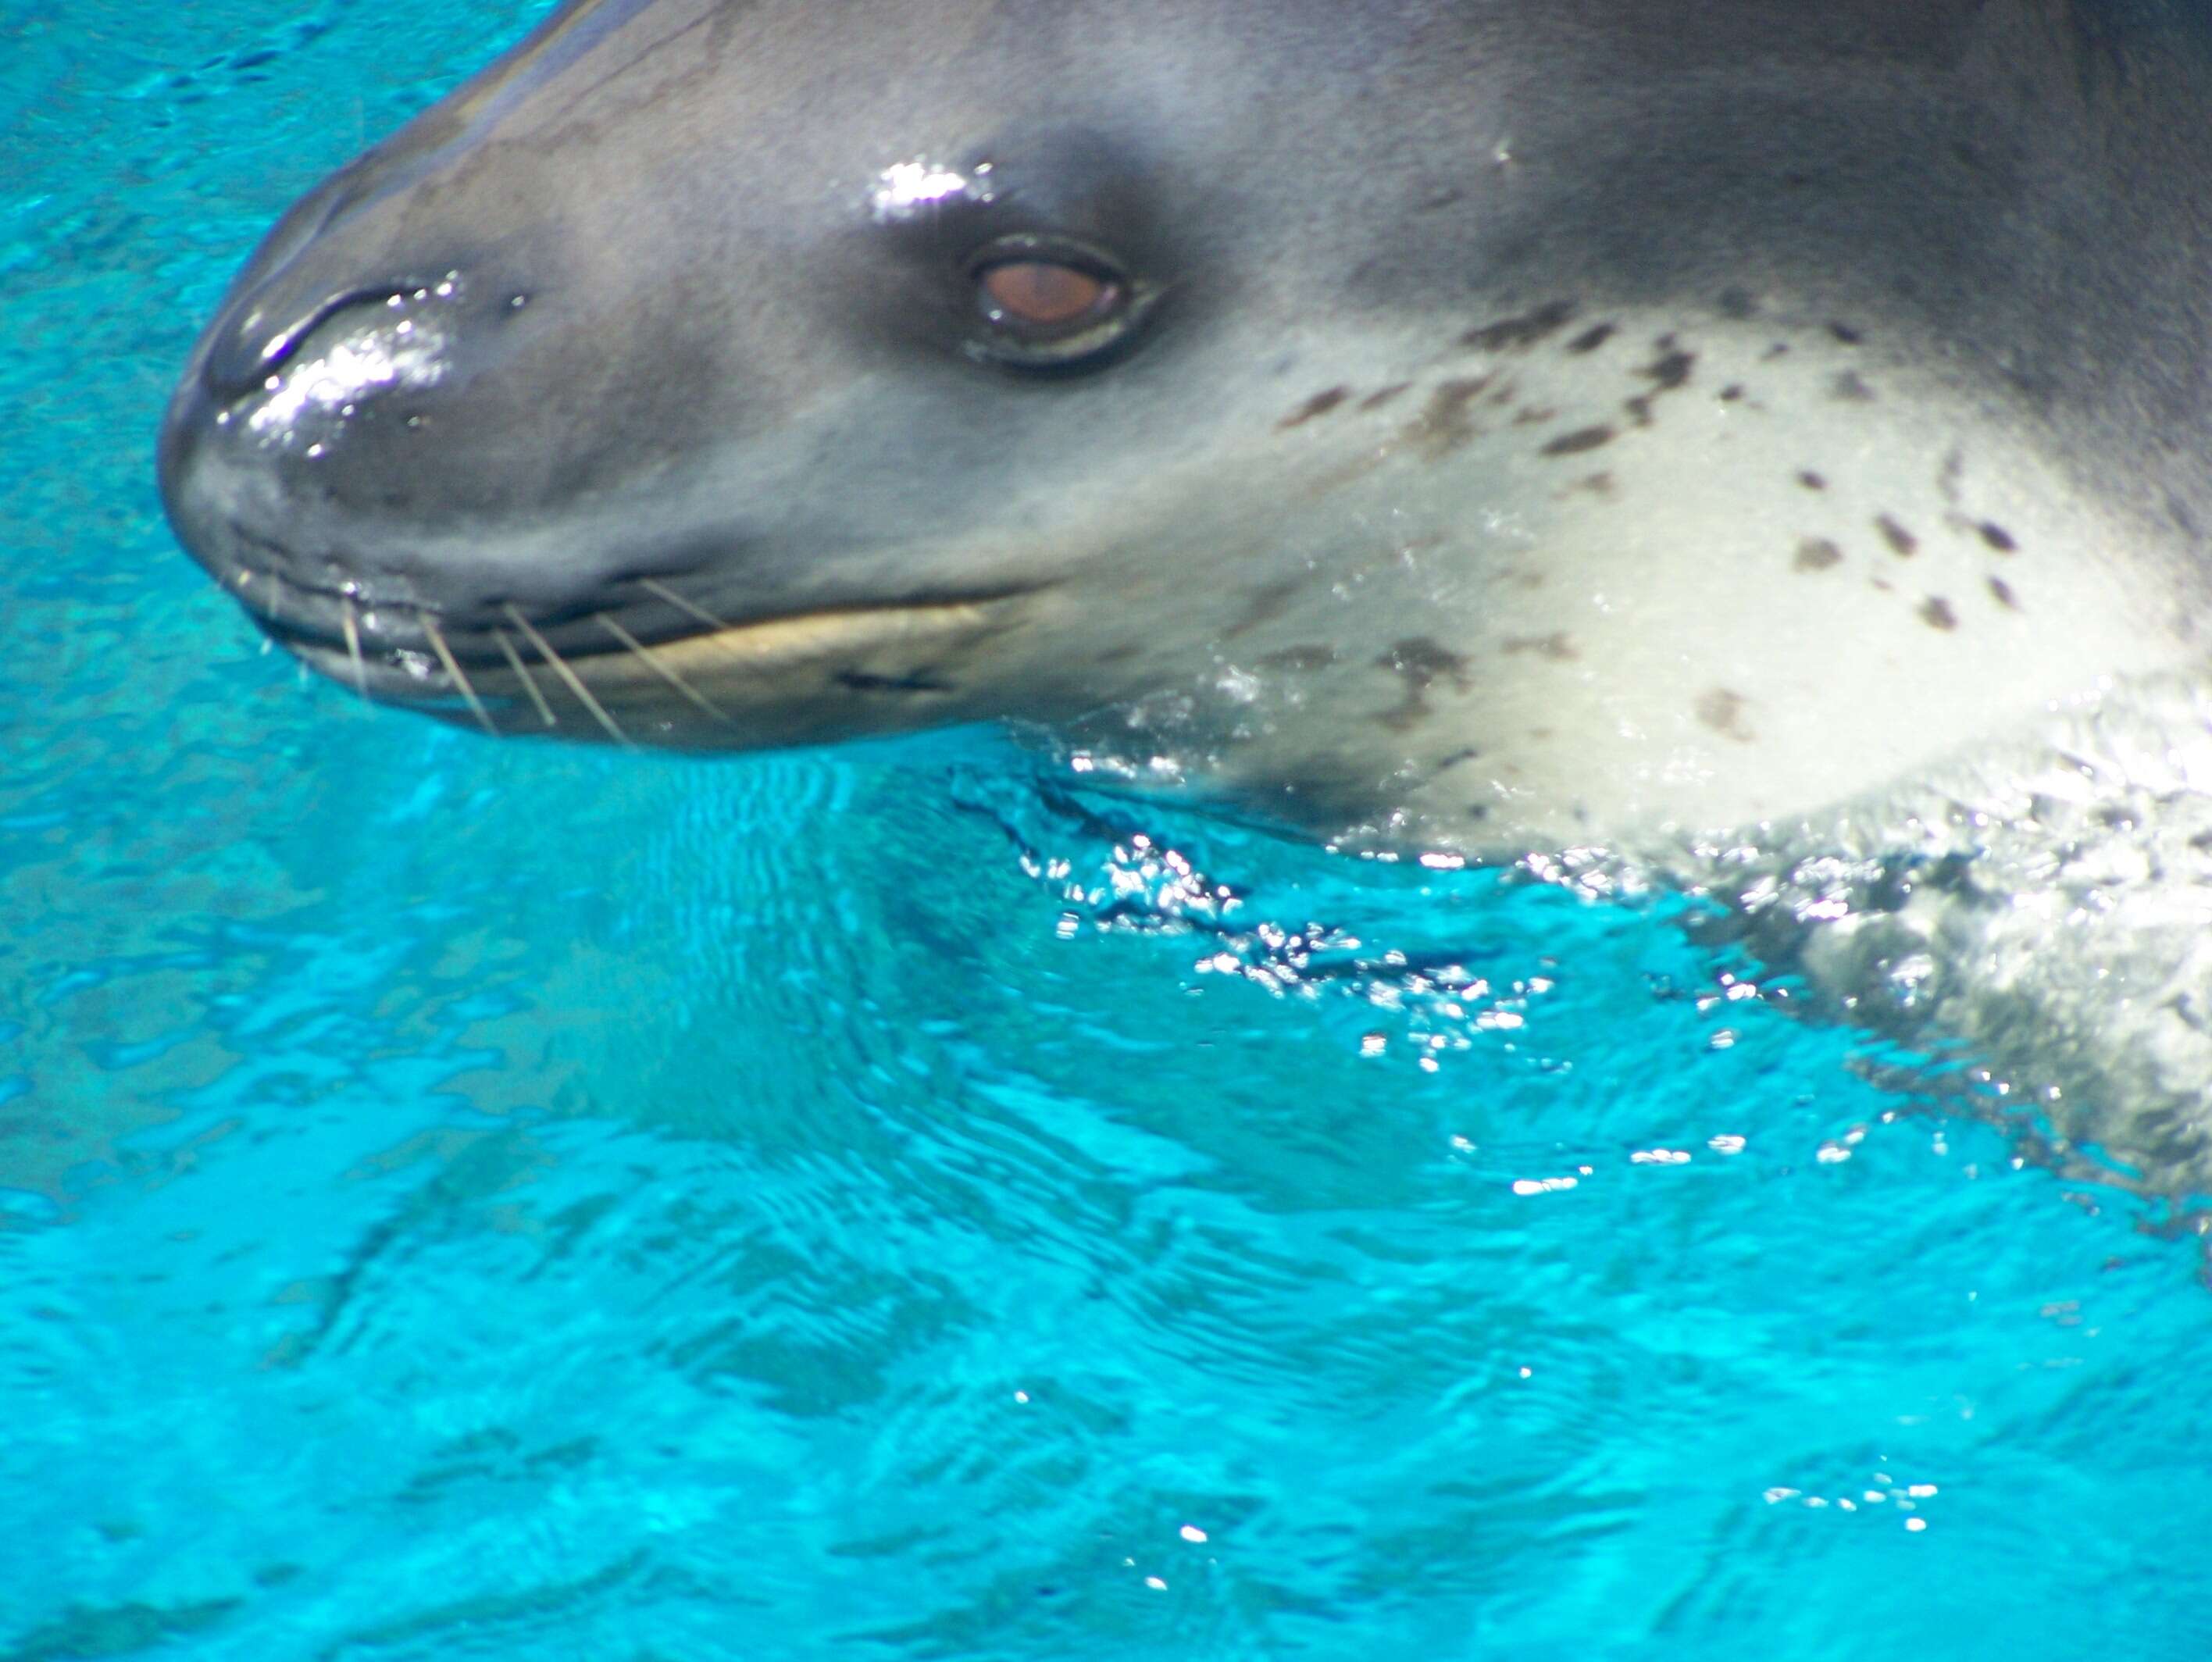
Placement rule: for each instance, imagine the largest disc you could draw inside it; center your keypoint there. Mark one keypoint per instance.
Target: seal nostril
(248, 351)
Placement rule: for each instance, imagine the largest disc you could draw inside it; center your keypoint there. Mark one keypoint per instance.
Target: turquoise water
(461, 1200)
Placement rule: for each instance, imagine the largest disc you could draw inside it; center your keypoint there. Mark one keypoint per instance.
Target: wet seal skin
(1705, 437)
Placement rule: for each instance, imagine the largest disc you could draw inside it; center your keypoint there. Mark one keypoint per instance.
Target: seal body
(1520, 427)
(1647, 425)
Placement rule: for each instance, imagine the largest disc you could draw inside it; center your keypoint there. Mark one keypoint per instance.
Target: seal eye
(1045, 303)
(1043, 295)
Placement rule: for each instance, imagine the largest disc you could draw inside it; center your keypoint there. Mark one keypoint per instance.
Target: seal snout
(343, 458)
(262, 451)
(243, 354)
(324, 459)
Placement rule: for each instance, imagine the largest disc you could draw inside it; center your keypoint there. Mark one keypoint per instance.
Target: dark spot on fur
(1723, 711)
(1848, 388)
(1811, 481)
(1731, 392)
(1671, 368)
(914, 681)
(1301, 660)
(1268, 603)
(1477, 810)
(1883, 584)
(1518, 334)
(1377, 400)
(1532, 415)
(1555, 646)
(1817, 554)
(1593, 337)
(1320, 404)
(1581, 439)
(1459, 758)
(1948, 474)
(1596, 484)
(1846, 333)
(1937, 613)
(1779, 349)
(1420, 663)
(1902, 543)
(1443, 426)
(1121, 654)
(2003, 590)
(1739, 303)
(1997, 537)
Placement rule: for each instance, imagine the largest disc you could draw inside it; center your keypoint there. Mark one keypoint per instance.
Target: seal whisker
(352, 626)
(453, 669)
(529, 681)
(570, 678)
(682, 605)
(638, 649)
(273, 604)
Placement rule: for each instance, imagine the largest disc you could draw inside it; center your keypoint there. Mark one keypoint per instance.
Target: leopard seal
(1731, 434)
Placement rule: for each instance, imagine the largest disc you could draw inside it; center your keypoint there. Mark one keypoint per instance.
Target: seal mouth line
(573, 682)
(367, 635)
(684, 687)
(522, 673)
(437, 637)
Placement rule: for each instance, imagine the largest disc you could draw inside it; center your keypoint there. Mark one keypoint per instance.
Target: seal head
(1478, 426)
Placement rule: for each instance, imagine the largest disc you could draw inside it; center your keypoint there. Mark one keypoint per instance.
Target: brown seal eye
(1046, 302)
(1044, 294)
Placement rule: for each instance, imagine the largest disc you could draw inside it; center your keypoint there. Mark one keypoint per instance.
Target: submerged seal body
(1484, 426)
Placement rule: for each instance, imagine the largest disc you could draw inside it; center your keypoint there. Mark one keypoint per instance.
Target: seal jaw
(795, 678)
(634, 615)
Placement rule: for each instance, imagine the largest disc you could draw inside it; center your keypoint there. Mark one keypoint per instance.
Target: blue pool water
(461, 1200)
